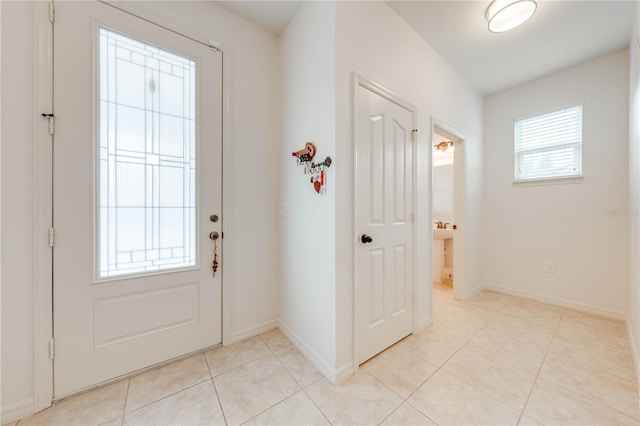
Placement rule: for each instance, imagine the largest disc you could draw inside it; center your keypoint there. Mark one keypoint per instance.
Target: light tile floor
(494, 359)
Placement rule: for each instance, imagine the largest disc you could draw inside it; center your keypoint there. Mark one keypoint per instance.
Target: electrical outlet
(550, 266)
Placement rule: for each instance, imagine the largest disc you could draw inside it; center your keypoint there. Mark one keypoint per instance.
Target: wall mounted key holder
(315, 170)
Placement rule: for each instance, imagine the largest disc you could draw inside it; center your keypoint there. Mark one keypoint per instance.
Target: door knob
(366, 239)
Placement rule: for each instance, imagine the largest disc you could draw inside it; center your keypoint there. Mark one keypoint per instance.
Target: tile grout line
(238, 366)
(496, 312)
(594, 400)
(215, 389)
(404, 400)
(229, 371)
(172, 394)
(391, 413)
(165, 397)
(440, 367)
(285, 369)
(304, 390)
(275, 355)
(465, 381)
(126, 399)
(390, 390)
(271, 352)
(535, 381)
(521, 412)
(599, 369)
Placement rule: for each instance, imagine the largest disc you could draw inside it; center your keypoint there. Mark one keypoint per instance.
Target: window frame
(577, 149)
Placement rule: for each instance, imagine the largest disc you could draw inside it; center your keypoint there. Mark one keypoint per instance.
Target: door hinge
(52, 349)
(52, 13)
(52, 123)
(52, 237)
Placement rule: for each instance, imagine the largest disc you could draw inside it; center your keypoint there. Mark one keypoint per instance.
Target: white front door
(137, 175)
(384, 221)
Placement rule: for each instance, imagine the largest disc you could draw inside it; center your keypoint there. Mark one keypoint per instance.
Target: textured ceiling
(560, 34)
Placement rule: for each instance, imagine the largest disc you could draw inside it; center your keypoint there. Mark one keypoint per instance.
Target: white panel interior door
(384, 210)
(137, 174)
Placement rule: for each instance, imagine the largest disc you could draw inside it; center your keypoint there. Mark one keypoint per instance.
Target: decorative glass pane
(147, 158)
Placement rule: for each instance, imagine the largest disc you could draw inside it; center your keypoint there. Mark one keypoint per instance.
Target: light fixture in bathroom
(444, 146)
(505, 15)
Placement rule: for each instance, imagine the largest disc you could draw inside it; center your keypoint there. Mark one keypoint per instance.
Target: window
(549, 145)
(147, 158)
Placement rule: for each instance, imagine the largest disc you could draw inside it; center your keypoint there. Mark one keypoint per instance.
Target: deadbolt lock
(213, 218)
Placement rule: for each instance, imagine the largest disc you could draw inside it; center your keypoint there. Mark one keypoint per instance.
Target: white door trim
(459, 182)
(360, 81)
(43, 198)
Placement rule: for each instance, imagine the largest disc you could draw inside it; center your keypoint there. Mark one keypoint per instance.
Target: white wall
(307, 305)
(524, 226)
(376, 43)
(17, 234)
(442, 196)
(251, 159)
(634, 187)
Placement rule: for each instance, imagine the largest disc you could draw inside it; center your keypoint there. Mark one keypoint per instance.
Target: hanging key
(214, 237)
(215, 257)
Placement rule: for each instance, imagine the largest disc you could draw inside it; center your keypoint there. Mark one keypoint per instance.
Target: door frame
(43, 371)
(459, 176)
(360, 81)
(42, 209)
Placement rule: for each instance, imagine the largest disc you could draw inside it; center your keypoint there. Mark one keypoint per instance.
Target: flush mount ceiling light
(505, 15)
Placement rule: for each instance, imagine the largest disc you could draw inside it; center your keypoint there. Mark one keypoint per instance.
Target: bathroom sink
(442, 234)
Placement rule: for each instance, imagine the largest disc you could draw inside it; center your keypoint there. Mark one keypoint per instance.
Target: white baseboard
(253, 331)
(16, 411)
(333, 375)
(474, 291)
(577, 306)
(634, 350)
(343, 373)
(423, 324)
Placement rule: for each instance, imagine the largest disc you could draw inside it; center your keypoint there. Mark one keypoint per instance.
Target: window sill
(557, 180)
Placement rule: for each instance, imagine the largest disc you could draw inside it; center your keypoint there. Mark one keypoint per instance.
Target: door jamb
(459, 179)
(360, 81)
(43, 368)
(42, 208)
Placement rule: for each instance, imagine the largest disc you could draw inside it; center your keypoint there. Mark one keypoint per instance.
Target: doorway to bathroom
(447, 185)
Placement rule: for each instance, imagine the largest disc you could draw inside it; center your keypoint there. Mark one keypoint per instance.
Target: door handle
(366, 239)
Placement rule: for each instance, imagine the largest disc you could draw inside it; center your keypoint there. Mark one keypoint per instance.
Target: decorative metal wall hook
(326, 163)
(316, 170)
